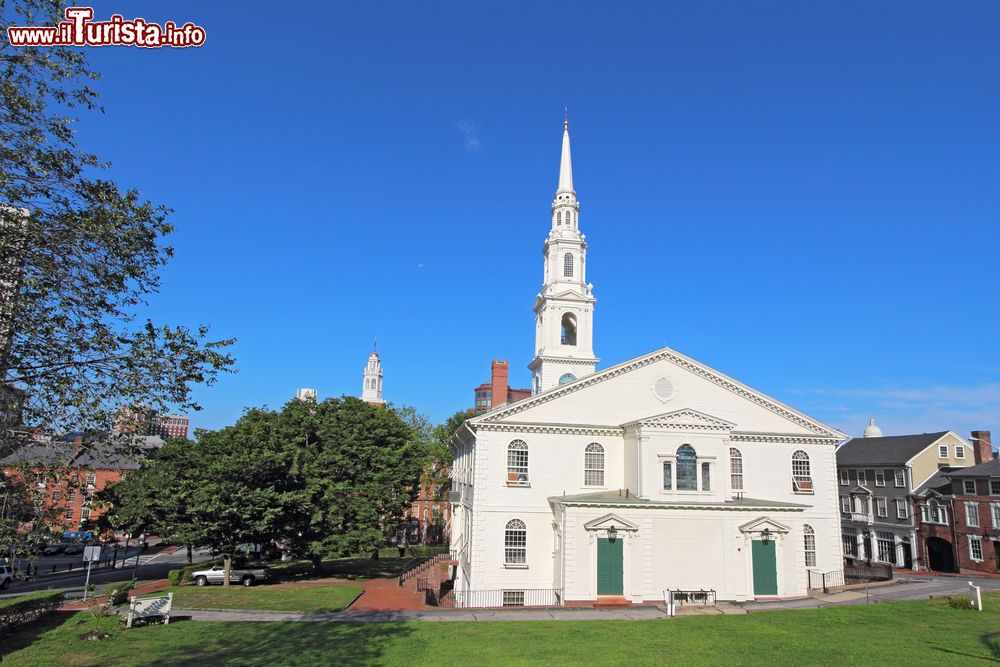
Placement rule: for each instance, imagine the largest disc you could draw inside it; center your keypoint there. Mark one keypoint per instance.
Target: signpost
(90, 554)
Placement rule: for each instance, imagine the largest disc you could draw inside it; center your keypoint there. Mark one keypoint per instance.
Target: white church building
(656, 474)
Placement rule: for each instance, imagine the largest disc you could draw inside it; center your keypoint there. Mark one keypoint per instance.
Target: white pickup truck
(217, 574)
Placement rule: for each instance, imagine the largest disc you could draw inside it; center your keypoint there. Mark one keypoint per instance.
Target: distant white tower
(872, 431)
(371, 391)
(305, 394)
(564, 308)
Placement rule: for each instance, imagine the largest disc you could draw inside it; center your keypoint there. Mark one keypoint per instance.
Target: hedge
(119, 594)
(15, 612)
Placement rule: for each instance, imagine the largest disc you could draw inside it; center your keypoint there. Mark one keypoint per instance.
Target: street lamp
(765, 536)
(612, 533)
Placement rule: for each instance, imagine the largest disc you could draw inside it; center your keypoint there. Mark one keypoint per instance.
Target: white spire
(566, 163)
(371, 389)
(872, 431)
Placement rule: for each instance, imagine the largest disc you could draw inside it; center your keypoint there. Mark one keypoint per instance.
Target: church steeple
(566, 163)
(371, 390)
(564, 308)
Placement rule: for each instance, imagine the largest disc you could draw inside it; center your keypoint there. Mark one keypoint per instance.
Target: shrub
(959, 602)
(28, 609)
(119, 594)
(174, 577)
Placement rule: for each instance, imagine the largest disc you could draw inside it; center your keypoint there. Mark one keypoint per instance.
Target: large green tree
(79, 256)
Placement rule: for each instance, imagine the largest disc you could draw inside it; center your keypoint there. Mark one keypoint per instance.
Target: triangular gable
(690, 367)
(759, 524)
(861, 489)
(608, 520)
(685, 418)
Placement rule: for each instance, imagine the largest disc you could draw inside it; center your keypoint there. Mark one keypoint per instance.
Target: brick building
(429, 516)
(957, 514)
(68, 476)
(497, 391)
(139, 420)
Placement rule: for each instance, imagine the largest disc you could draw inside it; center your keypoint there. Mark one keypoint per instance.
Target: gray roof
(988, 469)
(889, 450)
(939, 482)
(119, 455)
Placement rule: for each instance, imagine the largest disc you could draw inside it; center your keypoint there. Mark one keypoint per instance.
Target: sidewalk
(79, 605)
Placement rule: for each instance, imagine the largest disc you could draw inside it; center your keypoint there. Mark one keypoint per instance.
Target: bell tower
(564, 308)
(371, 390)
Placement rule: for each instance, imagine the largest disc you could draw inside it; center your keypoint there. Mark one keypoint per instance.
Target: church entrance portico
(765, 538)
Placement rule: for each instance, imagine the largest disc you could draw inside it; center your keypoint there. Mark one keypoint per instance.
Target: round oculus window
(664, 389)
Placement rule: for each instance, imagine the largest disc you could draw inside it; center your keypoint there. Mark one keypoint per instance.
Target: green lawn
(903, 633)
(277, 597)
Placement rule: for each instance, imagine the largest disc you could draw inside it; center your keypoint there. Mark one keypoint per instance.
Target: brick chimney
(498, 382)
(982, 448)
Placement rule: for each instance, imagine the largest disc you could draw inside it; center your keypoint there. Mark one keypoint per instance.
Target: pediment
(686, 420)
(758, 525)
(597, 400)
(608, 520)
(860, 490)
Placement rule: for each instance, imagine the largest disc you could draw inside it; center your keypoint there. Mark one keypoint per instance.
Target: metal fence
(824, 581)
(860, 573)
(519, 597)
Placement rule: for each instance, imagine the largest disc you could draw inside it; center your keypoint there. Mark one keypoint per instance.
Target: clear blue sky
(805, 196)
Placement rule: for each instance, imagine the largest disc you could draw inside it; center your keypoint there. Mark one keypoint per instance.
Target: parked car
(73, 549)
(217, 574)
(6, 576)
(53, 549)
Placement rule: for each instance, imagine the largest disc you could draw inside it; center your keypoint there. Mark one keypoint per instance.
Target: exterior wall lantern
(765, 536)
(612, 533)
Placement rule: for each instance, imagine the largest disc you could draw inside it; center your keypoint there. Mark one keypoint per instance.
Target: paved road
(151, 567)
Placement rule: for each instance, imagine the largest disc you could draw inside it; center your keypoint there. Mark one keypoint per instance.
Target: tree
(79, 257)
(359, 466)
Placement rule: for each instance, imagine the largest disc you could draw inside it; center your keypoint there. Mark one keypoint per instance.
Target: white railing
(158, 607)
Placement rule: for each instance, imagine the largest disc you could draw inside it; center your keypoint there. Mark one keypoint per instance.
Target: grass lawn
(902, 633)
(276, 597)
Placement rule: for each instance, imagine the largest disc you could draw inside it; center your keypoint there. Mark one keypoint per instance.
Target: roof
(888, 450)
(101, 456)
(988, 469)
(938, 482)
(621, 497)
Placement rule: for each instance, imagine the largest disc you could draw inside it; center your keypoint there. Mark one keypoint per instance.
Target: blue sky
(801, 195)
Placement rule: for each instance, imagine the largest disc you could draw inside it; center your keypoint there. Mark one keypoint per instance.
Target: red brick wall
(499, 374)
(987, 534)
(982, 447)
(73, 481)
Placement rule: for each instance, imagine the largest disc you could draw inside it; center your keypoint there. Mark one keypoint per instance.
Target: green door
(609, 567)
(765, 568)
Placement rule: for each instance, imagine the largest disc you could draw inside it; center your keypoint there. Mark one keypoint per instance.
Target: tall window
(569, 217)
(687, 468)
(801, 477)
(568, 329)
(593, 465)
(568, 265)
(517, 463)
(862, 477)
(900, 477)
(972, 515)
(879, 477)
(92, 478)
(809, 539)
(881, 508)
(706, 477)
(668, 476)
(844, 479)
(901, 512)
(995, 511)
(85, 514)
(845, 504)
(976, 548)
(515, 543)
(558, 218)
(735, 469)
(850, 538)
(886, 547)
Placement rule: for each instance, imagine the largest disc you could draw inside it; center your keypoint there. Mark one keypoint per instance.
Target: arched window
(809, 544)
(735, 469)
(593, 465)
(801, 478)
(934, 512)
(568, 265)
(566, 377)
(687, 468)
(517, 463)
(568, 336)
(558, 218)
(515, 543)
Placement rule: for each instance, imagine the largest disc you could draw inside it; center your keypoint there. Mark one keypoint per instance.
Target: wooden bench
(158, 607)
